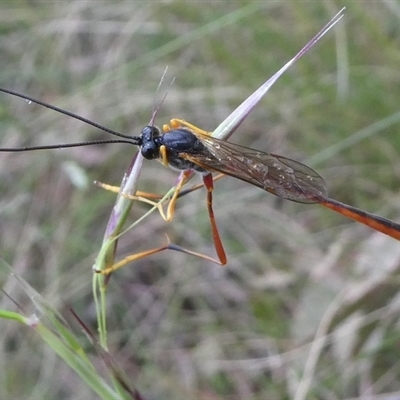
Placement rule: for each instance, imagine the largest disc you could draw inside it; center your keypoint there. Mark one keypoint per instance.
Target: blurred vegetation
(307, 307)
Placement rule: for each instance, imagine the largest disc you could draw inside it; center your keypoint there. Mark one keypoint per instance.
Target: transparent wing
(279, 175)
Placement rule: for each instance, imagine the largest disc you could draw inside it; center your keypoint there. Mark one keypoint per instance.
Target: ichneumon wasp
(187, 148)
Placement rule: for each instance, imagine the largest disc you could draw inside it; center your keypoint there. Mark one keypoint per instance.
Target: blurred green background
(307, 307)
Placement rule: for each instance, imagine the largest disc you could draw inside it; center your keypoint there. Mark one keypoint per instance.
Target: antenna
(135, 140)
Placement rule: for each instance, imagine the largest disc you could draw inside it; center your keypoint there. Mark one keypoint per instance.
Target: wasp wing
(279, 175)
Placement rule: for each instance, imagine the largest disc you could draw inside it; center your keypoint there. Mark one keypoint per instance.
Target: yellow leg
(144, 197)
(178, 123)
(143, 254)
(116, 189)
(174, 124)
(131, 258)
(163, 156)
(171, 206)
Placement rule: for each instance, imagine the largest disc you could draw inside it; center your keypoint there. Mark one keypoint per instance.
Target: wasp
(185, 147)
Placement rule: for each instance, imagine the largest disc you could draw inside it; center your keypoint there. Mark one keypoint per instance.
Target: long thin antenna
(65, 112)
(67, 145)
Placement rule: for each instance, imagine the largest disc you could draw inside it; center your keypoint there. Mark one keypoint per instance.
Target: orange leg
(199, 186)
(380, 224)
(219, 248)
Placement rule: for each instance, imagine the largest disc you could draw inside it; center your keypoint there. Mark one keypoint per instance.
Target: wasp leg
(164, 156)
(177, 123)
(171, 206)
(144, 197)
(143, 254)
(219, 248)
(199, 186)
(116, 189)
(131, 258)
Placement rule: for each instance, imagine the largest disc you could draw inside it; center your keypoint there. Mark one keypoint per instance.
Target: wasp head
(150, 147)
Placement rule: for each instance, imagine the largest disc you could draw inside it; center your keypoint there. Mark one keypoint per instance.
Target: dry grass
(307, 307)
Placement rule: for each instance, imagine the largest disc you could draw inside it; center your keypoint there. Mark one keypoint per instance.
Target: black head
(150, 147)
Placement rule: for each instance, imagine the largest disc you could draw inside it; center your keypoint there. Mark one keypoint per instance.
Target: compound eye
(150, 151)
